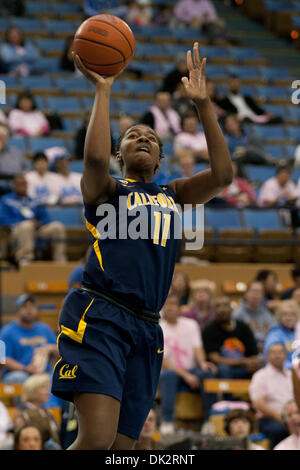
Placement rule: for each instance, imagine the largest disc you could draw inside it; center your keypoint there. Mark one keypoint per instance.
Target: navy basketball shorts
(106, 350)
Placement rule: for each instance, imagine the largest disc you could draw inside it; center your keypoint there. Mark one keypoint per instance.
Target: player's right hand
(93, 77)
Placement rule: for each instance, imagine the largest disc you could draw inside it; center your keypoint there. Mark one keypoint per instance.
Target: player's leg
(123, 442)
(98, 417)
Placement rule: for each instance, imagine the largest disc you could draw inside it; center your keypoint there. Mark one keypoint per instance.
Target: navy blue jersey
(135, 250)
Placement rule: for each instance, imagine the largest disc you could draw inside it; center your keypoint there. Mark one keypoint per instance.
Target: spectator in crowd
(181, 286)
(244, 106)
(75, 277)
(269, 279)
(42, 184)
(28, 437)
(287, 316)
(28, 220)
(29, 344)
(12, 161)
(163, 15)
(212, 93)
(240, 424)
(191, 140)
(279, 190)
(173, 78)
(230, 343)
(295, 275)
(66, 60)
(244, 149)
(271, 387)
(146, 441)
(240, 192)
(184, 364)
(181, 103)
(35, 394)
(18, 55)
(200, 307)
(68, 181)
(12, 8)
(25, 119)
(200, 14)
(186, 166)
(252, 311)
(139, 13)
(291, 418)
(162, 117)
(6, 428)
(80, 137)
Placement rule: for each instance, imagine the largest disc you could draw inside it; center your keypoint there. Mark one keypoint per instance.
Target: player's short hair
(119, 142)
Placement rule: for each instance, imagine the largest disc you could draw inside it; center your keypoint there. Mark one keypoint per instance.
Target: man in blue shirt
(30, 345)
(28, 220)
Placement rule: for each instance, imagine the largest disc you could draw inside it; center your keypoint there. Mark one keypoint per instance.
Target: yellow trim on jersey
(91, 228)
(57, 339)
(130, 180)
(77, 335)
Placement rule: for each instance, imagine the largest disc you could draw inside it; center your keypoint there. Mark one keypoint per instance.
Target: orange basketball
(105, 44)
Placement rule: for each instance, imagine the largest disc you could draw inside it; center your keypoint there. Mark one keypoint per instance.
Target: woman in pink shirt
(239, 193)
(25, 119)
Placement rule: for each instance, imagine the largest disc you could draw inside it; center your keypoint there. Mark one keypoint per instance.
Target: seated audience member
(173, 78)
(139, 13)
(146, 441)
(163, 15)
(269, 279)
(68, 181)
(230, 343)
(29, 344)
(80, 137)
(200, 307)
(271, 387)
(25, 119)
(244, 149)
(66, 60)
(181, 286)
(184, 363)
(180, 103)
(212, 93)
(18, 56)
(279, 190)
(240, 424)
(291, 418)
(240, 192)
(75, 277)
(187, 166)
(191, 139)
(252, 311)
(200, 14)
(162, 117)
(6, 428)
(27, 221)
(244, 106)
(28, 437)
(295, 275)
(35, 393)
(42, 184)
(287, 316)
(12, 161)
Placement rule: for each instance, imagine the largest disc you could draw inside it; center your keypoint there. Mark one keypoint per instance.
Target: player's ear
(119, 158)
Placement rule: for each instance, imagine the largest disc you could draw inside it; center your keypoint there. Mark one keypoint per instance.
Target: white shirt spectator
(290, 443)
(30, 123)
(46, 187)
(180, 341)
(69, 188)
(5, 422)
(186, 140)
(271, 190)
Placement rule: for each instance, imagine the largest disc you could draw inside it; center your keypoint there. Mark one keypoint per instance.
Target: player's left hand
(195, 85)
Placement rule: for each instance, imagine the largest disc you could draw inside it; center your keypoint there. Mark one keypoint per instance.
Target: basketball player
(110, 342)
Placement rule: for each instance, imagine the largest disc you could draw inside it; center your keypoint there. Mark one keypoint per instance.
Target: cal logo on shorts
(66, 372)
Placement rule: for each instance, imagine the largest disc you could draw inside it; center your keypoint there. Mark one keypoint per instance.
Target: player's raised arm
(97, 185)
(203, 186)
